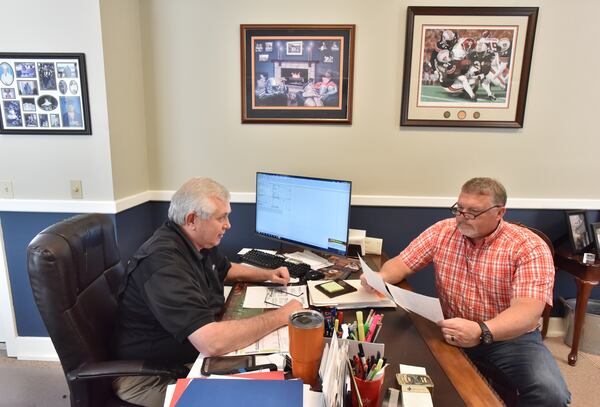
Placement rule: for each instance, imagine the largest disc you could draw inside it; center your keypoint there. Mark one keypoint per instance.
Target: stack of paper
(315, 261)
(427, 307)
(333, 365)
(361, 298)
(415, 399)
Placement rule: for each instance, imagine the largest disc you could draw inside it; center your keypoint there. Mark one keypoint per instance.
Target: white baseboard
(31, 348)
(556, 327)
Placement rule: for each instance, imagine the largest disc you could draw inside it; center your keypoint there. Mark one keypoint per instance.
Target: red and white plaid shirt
(477, 283)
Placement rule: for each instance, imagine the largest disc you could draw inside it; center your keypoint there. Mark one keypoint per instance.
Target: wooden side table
(586, 278)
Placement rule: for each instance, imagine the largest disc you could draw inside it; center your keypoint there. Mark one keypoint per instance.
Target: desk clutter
(362, 329)
(302, 265)
(344, 367)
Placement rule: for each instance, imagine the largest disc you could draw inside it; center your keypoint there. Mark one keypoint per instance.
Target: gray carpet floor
(42, 384)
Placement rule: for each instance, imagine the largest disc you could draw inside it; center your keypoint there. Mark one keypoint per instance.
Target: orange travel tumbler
(306, 344)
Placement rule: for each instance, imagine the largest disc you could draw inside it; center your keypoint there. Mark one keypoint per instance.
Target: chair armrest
(116, 368)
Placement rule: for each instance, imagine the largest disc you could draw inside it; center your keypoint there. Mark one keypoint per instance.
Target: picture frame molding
(78, 89)
(574, 246)
(531, 13)
(595, 230)
(251, 113)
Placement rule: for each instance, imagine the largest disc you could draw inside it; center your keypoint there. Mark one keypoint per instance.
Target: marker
(360, 327)
(374, 321)
(376, 369)
(380, 373)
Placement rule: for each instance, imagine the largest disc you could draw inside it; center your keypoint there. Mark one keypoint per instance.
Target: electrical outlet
(6, 190)
(76, 189)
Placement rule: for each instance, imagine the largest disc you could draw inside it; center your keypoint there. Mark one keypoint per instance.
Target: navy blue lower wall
(397, 226)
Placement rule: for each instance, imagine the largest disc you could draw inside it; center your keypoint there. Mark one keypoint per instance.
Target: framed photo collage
(43, 94)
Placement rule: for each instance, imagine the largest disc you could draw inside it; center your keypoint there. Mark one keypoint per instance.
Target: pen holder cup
(370, 392)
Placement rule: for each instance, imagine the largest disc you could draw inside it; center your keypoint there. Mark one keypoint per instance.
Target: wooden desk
(413, 340)
(586, 278)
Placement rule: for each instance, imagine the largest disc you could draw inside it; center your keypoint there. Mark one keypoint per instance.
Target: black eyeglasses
(468, 215)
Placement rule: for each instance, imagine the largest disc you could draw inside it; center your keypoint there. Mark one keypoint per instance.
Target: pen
(344, 331)
(368, 320)
(361, 355)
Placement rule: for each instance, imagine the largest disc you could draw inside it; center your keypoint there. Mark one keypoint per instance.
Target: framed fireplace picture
(467, 66)
(44, 93)
(297, 73)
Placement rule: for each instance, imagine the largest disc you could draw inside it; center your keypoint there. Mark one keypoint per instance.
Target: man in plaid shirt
(494, 280)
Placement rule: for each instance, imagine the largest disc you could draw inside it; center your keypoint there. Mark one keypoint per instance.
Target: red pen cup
(370, 392)
(306, 344)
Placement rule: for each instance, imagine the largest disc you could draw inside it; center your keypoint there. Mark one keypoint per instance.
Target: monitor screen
(309, 212)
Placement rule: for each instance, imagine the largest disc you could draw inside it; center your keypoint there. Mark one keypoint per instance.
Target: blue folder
(242, 392)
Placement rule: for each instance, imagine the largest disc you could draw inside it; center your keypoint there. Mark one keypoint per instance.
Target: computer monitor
(308, 212)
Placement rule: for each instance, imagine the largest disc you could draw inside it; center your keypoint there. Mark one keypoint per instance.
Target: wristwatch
(486, 336)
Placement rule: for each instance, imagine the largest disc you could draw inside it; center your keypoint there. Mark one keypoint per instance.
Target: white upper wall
(192, 82)
(125, 89)
(174, 105)
(41, 166)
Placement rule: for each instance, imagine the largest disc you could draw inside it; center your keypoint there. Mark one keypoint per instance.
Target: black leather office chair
(75, 271)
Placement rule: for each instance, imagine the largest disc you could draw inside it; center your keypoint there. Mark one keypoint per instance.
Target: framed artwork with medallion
(297, 73)
(467, 66)
(43, 93)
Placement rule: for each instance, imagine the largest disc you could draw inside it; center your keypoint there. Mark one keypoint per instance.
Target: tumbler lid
(306, 319)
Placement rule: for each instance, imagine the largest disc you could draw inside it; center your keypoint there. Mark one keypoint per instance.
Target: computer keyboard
(272, 261)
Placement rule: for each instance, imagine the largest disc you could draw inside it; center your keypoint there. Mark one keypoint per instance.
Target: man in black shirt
(173, 293)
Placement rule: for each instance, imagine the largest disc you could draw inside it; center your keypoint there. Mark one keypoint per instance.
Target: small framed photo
(297, 73)
(467, 66)
(578, 230)
(596, 236)
(44, 93)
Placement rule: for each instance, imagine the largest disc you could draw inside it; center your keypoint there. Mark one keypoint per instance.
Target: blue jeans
(529, 367)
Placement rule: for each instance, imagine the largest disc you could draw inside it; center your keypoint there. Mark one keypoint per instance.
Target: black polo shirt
(171, 290)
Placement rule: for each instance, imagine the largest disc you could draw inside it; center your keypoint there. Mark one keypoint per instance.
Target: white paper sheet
(274, 297)
(246, 250)
(315, 261)
(427, 307)
(276, 342)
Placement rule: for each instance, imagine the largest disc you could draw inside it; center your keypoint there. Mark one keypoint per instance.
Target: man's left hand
(461, 332)
(280, 275)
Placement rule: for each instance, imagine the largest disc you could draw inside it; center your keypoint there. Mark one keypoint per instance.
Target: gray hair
(486, 186)
(194, 196)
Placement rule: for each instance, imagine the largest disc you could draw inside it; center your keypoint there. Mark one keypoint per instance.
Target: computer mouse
(314, 275)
